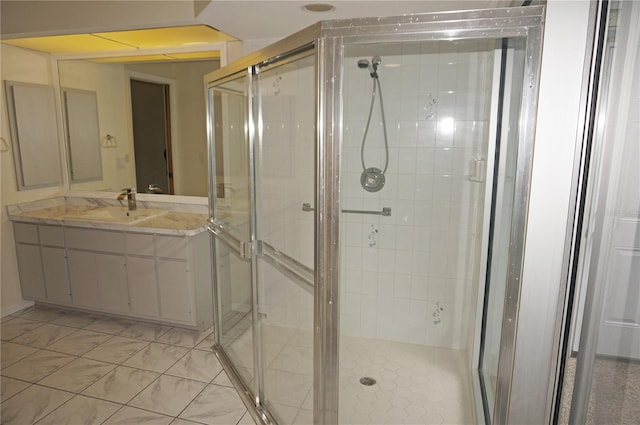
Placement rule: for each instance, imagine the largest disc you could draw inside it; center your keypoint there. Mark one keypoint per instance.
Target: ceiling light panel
(76, 43)
(167, 37)
(170, 37)
(140, 58)
(195, 55)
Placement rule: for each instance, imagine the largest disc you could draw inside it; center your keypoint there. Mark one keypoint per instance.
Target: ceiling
(145, 23)
(250, 20)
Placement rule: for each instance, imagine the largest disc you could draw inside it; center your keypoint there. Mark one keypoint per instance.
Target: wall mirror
(151, 122)
(29, 104)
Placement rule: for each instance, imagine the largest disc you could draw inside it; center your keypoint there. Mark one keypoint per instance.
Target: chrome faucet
(130, 194)
(154, 188)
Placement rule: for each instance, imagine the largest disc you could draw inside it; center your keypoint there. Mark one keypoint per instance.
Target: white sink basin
(118, 215)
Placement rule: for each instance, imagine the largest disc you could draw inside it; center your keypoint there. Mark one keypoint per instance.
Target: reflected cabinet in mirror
(150, 129)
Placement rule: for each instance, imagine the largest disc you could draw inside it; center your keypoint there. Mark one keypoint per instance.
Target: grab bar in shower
(386, 211)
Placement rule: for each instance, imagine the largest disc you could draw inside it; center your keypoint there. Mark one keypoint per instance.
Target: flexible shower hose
(376, 83)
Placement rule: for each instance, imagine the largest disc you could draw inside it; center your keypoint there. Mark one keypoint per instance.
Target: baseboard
(16, 307)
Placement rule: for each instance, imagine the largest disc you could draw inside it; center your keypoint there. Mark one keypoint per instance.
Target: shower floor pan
(414, 384)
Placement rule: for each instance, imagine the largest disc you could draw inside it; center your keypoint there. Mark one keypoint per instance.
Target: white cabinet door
(54, 264)
(112, 282)
(82, 278)
(176, 291)
(143, 287)
(30, 270)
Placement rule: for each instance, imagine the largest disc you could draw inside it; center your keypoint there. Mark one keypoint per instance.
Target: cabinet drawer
(51, 235)
(95, 240)
(27, 233)
(139, 244)
(171, 247)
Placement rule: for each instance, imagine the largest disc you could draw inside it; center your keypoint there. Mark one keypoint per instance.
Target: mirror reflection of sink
(118, 215)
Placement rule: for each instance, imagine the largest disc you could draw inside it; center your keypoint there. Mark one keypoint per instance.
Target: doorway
(151, 121)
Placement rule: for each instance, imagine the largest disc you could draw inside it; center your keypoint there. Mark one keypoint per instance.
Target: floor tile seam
(149, 410)
(190, 347)
(123, 361)
(128, 400)
(192, 379)
(5, 366)
(161, 413)
(272, 368)
(84, 387)
(52, 342)
(191, 402)
(51, 372)
(53, 322)
(105, 361)
(68, 401)
(26, 382)
(176, 362)
(35, 384)
(164, 371)
(210, 350)
(48, 348)
(138, 322)
(122, 406)
(18, 336)
(12, 364)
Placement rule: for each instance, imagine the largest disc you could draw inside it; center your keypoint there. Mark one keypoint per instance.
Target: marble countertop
(65, 213)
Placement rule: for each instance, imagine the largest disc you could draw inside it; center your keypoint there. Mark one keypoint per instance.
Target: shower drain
(368, 381)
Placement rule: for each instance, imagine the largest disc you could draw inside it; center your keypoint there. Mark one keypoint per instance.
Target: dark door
(151, 135)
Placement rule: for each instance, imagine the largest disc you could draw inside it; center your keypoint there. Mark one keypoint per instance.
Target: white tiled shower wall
(412, 277)
(409, 277)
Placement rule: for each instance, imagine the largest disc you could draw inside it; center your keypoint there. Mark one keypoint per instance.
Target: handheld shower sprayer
(372, 178)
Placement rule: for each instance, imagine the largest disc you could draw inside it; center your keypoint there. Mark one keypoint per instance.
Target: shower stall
(368, 195)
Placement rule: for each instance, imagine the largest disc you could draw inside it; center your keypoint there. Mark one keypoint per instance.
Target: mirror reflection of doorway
(152, 136)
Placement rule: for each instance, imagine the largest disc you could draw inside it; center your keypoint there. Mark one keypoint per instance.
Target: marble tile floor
(65, 367)
(287, 356)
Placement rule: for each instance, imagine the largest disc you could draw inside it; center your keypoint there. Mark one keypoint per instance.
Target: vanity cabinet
(41, 263)
(163, 278)
(30, 269)
(98, 280)
(143, 287)
(54, 263)
(97, 269)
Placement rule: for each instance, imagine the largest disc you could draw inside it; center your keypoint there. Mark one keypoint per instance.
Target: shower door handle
(242, 248)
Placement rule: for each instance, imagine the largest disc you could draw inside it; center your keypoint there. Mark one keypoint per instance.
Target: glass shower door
(231, 224)
(285, 181)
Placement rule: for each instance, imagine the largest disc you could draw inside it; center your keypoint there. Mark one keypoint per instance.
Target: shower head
(371, 66)
(363, 64)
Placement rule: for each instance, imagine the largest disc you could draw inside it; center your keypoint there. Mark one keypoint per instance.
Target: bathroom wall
(411, 277)
(23, 65)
